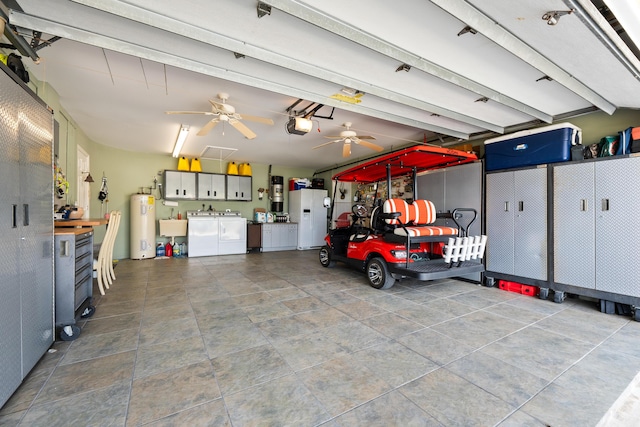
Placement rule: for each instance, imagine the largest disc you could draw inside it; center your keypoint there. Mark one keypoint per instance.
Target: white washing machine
(216, 233)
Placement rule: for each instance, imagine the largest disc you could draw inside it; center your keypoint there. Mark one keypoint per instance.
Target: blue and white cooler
(548, 144)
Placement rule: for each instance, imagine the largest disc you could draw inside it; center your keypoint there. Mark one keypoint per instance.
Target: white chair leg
(112, 242)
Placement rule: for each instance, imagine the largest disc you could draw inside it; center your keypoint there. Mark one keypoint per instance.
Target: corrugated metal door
(500, 224)
(530, 223)
(573, 225)
(617, 205)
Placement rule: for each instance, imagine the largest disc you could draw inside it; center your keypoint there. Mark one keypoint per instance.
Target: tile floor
(274, 339)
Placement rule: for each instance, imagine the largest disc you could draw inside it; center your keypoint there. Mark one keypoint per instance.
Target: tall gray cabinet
(455, 187)
(516, 224)
(596, 226)
(26, 225)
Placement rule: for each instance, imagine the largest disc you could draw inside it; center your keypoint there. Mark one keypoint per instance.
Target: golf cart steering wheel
(360, 211)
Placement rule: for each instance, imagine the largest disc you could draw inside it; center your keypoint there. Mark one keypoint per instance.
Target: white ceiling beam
(627, 14)
(134, 13)
(344, 29)
(493, 31)
(111, 43)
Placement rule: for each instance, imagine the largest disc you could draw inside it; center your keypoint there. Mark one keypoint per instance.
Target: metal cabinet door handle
(584, 205)
(64, 248)
(506, 206)
(521, 206)
(605, 205)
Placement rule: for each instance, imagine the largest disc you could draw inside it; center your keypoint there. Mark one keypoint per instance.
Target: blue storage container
(548, 144)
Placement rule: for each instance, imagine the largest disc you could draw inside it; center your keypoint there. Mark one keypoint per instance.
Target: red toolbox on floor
(519, 288)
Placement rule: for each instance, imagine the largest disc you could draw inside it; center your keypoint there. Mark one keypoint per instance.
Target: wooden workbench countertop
(59, 231)
(89, 222)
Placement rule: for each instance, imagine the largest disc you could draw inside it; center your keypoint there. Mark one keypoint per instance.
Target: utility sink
(173, 227)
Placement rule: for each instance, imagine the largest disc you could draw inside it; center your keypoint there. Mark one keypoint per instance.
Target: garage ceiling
(441, 71)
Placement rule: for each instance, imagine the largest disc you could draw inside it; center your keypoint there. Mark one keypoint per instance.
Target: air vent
(217, 153)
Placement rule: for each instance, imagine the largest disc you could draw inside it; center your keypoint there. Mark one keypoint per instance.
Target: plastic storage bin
(549, 144)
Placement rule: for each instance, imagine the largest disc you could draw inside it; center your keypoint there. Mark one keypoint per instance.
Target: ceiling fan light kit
(347, 137)
(224, 112)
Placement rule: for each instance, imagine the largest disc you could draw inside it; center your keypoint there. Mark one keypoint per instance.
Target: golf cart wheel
(325, 257)
(378, 274)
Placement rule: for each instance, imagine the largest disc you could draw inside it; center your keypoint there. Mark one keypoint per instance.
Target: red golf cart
(394, 238)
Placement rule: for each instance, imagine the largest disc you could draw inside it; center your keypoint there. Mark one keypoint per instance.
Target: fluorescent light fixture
(182, 136)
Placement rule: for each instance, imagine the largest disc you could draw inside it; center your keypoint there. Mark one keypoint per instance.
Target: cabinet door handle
(64, 248)
(521, 206)
(215, 193)
(208, 192)
(14, 216)
(506, 206)
(584, 205)
(25, 220)
(177, 192)
(184, 192)
(605, 205)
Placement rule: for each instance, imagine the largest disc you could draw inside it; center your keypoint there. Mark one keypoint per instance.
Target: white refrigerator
(306, 207)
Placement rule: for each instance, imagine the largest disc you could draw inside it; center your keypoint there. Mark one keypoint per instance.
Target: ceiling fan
(224, 112)
(347, 137)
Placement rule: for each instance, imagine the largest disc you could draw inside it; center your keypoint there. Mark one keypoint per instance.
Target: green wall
(130, 172)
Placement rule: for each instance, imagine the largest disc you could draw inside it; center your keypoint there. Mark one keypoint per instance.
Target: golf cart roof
(420, 157)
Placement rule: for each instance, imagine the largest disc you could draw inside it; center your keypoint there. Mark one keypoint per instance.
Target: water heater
(143, 226)
(277, 197)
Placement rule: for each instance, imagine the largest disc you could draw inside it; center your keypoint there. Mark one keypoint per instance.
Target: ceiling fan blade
(256, 119)
(364, 137)
(207, 128)
(206, 113)
(326, 143)
(368, 144)
(248, 133)
(346, 149)
(334, 136)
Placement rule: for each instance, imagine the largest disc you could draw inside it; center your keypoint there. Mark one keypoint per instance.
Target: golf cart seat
(413, 220)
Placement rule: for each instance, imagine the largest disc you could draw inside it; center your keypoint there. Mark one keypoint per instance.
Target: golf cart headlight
(399, 254)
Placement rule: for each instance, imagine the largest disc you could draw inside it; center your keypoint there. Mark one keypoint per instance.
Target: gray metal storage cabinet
(74, 278)
(179, 185)
(26, 225)
(596, 227)
(455, 187)
(516, 224)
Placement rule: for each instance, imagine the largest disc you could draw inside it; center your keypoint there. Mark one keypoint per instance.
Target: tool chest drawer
(73, 279)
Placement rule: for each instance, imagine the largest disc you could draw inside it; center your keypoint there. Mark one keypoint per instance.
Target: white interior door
(84, 189)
